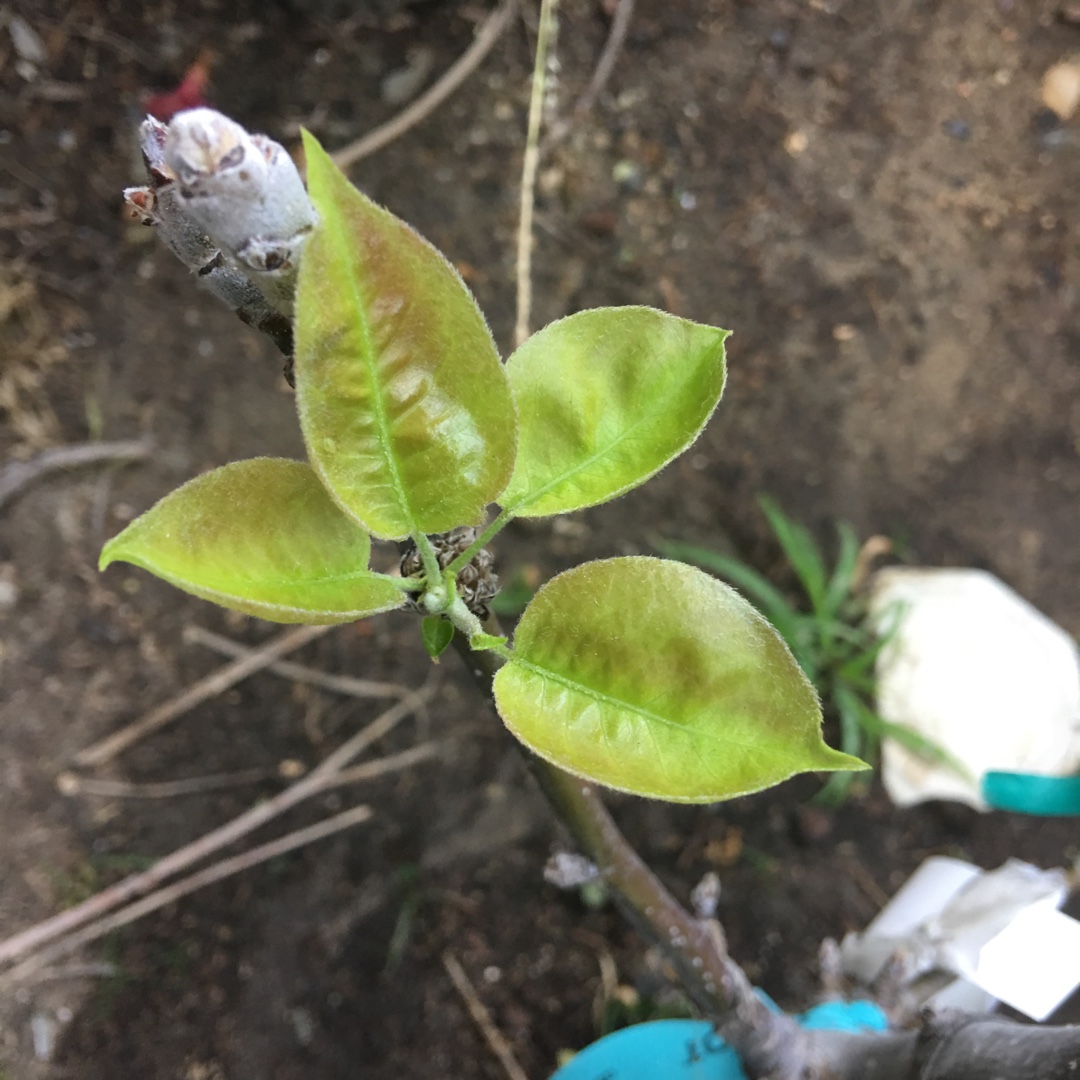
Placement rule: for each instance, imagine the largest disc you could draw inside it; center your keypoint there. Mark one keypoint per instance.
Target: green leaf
(764, 594)
(799, 631)
(652, 677)
(405, 407)
(437, 633)
(606, 398)
(262, 537)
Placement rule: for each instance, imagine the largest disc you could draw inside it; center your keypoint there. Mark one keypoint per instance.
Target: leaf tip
(320, 168)
(111, 553)
(837, 761)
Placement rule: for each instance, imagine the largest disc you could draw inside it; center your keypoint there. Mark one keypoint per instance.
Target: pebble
(628, 176)
(28, 45)
(404, 83)
(43, 1028)
(796, 142)
(780, 40)
(303, 1024)
(1061, 89)
(957, 129)
(1046, 124)
(813, 823)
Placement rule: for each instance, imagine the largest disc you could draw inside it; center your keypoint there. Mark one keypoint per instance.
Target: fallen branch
(482, 1018)
(16, 476)
(371, 770)
(620, 24)
(99, 970)
(489, 33)
(139, 884)
(216, 683)
(170, 894)
(69, 783)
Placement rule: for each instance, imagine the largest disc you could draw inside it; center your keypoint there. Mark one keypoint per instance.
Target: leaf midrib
(608, 699)
(378, 410)
(326, 579)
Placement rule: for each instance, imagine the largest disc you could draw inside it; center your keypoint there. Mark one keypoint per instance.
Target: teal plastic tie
(1031, 793)
(691, 1049)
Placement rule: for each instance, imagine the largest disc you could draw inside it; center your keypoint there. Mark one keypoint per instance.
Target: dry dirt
(866, 193)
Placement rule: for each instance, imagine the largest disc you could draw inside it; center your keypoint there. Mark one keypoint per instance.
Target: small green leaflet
(437, 633)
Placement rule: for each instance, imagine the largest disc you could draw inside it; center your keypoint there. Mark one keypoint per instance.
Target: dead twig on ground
(339, 684)
(75, 971)
(489, 33)
(216, 683)
(136, 885)
(529, 166)
(70, 783)
(170, 894)
(478, 1011)
(620, 24)
(371, 770)
(16, 476)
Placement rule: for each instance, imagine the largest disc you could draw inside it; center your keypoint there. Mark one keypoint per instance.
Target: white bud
(159, 204)
(245, 192)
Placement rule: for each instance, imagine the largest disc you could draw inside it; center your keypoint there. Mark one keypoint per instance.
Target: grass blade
(840, 584)
(800, 549)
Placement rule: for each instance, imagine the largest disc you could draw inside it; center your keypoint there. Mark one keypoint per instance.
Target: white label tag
(1034, 963)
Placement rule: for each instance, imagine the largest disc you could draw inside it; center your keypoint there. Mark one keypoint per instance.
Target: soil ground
(866, 193)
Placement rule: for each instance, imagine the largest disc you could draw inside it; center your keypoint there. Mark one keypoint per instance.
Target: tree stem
(696, 947)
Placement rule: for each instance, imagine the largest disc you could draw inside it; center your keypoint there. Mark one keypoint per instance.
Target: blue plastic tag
(691, 1049)
(1029, 793)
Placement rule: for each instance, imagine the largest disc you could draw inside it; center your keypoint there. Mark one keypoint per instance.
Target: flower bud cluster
(476, 584)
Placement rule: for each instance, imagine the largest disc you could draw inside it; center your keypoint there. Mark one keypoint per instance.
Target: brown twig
(225, 868)
(96, 929)
(139, 884)
(489, 33)
(16, 476)
(371, 770)
(482, 1018)
(70, 783)
(91, 970)
(216, 683)
(339, 684)
(620, 24)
